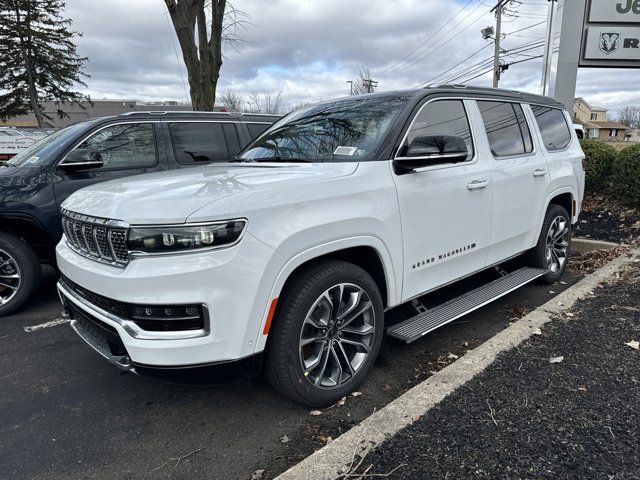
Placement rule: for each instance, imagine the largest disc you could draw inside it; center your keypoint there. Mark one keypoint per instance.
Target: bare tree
(202, 26)
(265, 102)
(233, 101)
(364, 83)
(630, 116)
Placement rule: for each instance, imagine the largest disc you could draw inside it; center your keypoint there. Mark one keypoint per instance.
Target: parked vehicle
(14, 140)
(579, 130)
(292, 252)
(34, 183)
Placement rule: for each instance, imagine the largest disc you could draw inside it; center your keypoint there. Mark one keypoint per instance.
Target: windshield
(342, 131)
(40, 152)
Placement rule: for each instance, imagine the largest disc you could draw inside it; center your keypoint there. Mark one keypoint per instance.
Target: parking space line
(52, 323)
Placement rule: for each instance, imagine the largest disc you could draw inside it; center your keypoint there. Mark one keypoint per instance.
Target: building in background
(100, 108)
(596, 125)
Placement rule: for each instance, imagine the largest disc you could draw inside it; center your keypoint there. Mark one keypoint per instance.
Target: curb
(586, 244)
(334, 459)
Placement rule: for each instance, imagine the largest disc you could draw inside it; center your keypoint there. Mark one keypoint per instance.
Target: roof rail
(169, 112)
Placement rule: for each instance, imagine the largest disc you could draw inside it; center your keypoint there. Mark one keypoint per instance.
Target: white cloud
(310, 48)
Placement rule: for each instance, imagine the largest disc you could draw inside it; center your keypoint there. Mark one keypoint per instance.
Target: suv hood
(171, 196)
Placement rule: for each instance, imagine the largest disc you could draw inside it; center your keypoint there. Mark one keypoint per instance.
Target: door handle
(477, 184)
(540, 172)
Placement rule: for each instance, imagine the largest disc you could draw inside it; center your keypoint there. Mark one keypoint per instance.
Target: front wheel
(554, 244)
(19, 273)
(326, 335)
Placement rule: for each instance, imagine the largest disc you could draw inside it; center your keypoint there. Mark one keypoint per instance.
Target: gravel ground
(603, 218)
(526, 417)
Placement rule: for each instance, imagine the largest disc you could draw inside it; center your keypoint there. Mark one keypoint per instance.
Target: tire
(16, 258)
(289, 365)
(543, 255)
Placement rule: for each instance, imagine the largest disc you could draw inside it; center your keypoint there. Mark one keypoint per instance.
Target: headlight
(184, 238)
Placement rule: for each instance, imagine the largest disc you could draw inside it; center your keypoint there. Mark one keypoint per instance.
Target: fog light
(169, 317)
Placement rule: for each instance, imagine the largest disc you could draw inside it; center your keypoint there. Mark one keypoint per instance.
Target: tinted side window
(198, 142)
(506, 127)
(130, 145)
(231, 138)
(553, 127)
(256, 129)
(441, 118)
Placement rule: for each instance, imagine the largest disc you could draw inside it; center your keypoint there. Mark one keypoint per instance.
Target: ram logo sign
(609, 42)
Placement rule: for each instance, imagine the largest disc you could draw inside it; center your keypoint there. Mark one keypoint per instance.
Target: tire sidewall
(553, 212)
(30, 272)
(323, 396)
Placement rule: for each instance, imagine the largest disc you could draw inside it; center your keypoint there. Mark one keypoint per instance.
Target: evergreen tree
(38, 59)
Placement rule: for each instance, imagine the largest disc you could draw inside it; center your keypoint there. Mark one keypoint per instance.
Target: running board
(415, 327)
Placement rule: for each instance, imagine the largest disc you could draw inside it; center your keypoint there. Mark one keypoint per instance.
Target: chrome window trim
(472, 161)
(500, 158)
(131, 327)
(474, 157)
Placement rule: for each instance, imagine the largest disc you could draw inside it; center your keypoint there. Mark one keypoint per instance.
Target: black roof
(471, 91)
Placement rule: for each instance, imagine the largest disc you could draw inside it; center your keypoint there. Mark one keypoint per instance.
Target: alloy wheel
(557, 244)
(337, 335)
(9, 277)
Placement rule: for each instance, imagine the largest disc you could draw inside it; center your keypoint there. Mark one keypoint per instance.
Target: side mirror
(431, 150)
(82, 159)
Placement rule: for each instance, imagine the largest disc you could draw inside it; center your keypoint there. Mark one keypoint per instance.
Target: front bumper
(229, 284)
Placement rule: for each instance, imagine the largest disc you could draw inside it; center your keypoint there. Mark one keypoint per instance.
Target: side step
(415, 327)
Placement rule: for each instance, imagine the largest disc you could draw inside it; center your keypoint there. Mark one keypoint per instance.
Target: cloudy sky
(308, 49)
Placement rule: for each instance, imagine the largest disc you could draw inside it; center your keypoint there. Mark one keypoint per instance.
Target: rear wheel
(19, 273)
(554, 244)
(326, 335)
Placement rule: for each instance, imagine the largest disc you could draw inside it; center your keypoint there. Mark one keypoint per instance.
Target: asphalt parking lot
(65, 413)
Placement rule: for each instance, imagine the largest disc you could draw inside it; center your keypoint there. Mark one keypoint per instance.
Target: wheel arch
(368, 253)
(31, 232)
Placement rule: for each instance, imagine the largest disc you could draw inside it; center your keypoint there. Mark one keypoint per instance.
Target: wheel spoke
(12, 287)
(306, 341)
(356, 343)
(363, 307)
(12, 276)
(338, 364)
(326, 354)
(346, 358)
(354, 300)
(364, 329)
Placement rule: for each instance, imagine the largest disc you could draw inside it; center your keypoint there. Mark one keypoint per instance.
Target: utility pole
(549, 46)
(369, 84)
(496, 55)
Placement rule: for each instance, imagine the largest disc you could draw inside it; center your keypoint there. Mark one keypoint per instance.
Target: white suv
(290, 253)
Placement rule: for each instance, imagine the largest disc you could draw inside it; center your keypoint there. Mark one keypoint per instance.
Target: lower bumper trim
(96, 341)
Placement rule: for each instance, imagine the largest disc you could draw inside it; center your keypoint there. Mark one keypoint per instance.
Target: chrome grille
(100, 239)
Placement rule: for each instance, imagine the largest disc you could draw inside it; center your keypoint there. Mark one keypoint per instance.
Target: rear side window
(231, 138)
(506, 128)
(553, 127)
(442, 118)
(198, 142)
(256, 129)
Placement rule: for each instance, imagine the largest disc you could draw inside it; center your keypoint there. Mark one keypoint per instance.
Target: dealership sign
(611, 34)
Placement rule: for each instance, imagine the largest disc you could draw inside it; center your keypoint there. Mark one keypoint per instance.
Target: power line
(455, 66)
(386, 70)
(433, 47)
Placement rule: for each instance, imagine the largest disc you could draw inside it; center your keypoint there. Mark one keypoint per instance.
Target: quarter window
(553, 127)
(506, 128)
(446, 118)
(199, 142)
(130, 145)
(256, 129)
